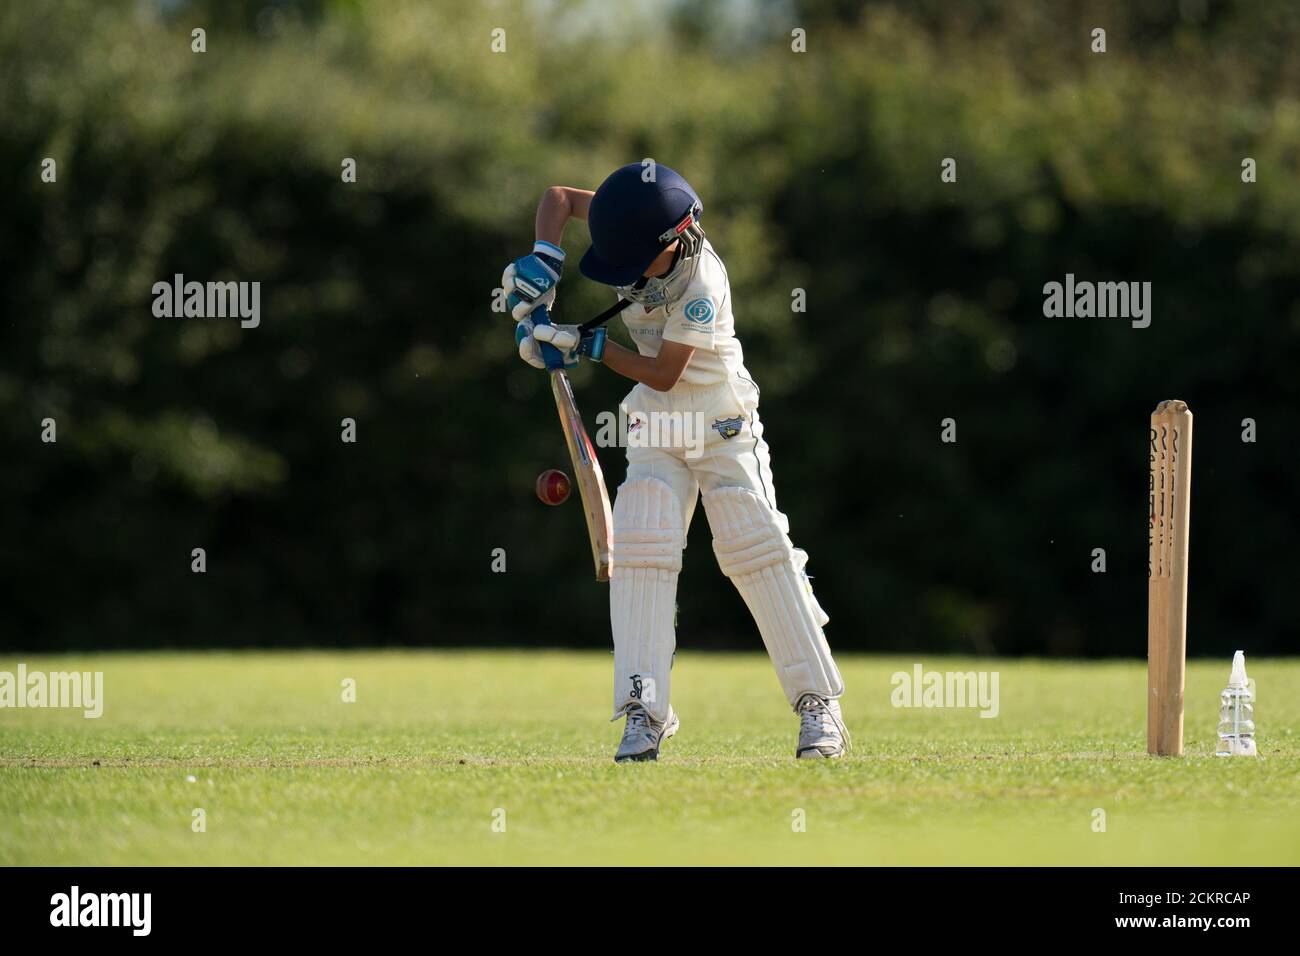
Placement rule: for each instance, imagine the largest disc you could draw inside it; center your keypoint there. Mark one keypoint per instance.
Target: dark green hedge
(820, 171)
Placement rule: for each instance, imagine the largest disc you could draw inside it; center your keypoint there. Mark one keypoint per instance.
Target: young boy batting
(646, 242)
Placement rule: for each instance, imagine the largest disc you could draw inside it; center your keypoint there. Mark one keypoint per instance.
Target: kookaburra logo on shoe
(75, 908)
(643, 688)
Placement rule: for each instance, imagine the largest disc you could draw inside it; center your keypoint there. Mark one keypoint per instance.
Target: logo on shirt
(699, 313)
(728, 427)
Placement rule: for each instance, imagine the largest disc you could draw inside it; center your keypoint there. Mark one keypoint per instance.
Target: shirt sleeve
(694, 323)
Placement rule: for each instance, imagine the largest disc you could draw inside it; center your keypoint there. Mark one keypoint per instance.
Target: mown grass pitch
(414, 771)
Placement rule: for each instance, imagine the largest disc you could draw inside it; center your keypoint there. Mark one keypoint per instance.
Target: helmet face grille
(692, 239)
(690, 219)
(663, 290)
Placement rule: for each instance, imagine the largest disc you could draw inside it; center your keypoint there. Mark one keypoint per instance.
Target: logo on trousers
(729, 427)
(643, 688)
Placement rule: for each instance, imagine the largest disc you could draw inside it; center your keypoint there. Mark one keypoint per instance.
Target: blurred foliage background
(819, 171)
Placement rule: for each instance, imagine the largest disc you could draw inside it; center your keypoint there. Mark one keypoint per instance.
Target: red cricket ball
(553, 487)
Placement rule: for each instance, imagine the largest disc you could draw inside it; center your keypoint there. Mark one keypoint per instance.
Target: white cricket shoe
(821, 729)
(643, 735)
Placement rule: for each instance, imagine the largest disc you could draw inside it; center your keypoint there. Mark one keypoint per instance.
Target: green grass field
(413, 771)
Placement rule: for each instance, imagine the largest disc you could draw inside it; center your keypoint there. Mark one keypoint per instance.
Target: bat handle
(550, 354)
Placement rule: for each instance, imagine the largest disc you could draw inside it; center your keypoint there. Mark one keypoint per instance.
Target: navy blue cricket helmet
(632, 221)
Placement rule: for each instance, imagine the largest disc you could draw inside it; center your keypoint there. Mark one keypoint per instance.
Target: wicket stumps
(1170, 506)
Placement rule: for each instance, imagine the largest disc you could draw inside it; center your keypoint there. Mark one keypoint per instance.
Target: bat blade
(587, 474)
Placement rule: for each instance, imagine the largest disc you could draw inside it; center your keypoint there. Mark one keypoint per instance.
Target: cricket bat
(586, 467)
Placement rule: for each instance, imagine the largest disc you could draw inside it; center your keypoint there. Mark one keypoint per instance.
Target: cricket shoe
(821, 729)
(643, 735)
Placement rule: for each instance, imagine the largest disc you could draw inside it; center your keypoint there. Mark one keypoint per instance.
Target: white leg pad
(753, 549)
(648, 543)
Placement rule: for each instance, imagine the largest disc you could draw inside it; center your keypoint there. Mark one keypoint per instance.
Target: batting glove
(569, 339)
(531, 280)
(573, 342)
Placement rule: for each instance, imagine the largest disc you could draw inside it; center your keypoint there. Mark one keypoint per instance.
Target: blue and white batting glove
(530, 281)
(529, 350)
(571, 342)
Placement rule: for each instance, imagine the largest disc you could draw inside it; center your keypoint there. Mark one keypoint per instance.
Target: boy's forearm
(640, 368)
(560, 204)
